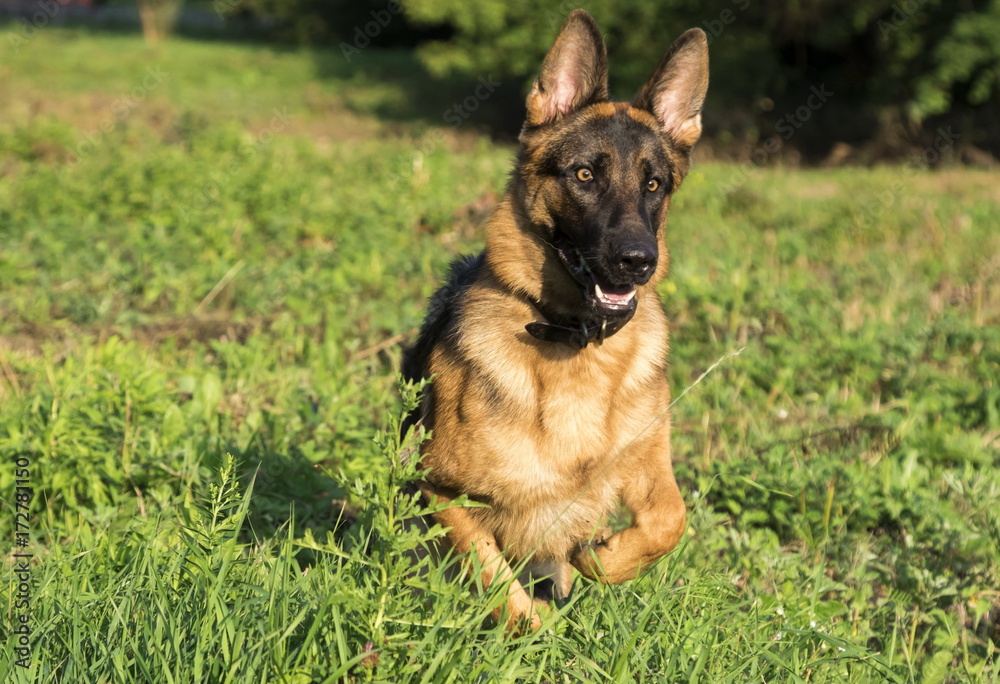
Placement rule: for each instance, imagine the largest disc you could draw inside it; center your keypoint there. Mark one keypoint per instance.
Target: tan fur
(550, 437)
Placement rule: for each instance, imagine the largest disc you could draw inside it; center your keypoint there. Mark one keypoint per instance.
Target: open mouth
(613, 299)
(601, 296)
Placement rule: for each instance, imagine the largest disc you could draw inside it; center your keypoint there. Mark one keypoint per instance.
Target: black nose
(637, 261)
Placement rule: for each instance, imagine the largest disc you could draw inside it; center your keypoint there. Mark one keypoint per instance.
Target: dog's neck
(514, 253)
(516, 267)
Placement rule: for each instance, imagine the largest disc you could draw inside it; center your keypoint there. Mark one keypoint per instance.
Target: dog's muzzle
(611, 310)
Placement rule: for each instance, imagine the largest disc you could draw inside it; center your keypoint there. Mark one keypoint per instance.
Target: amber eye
(585, 175)
(653, 185)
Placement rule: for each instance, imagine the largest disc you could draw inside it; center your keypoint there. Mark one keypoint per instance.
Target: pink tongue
(614, 297)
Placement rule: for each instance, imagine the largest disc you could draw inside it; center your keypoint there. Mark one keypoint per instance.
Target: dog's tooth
(599, 292)
(630, 295)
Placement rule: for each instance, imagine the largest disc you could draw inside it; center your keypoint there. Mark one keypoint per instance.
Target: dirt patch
(32, 340)
(817, 190)
(960, 182)
(83, 111)
(326, 122)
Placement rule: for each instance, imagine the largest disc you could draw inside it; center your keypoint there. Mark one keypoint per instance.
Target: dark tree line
(895, 74)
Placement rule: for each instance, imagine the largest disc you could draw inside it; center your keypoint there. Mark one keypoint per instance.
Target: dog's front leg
(659, 518)
(466, 534)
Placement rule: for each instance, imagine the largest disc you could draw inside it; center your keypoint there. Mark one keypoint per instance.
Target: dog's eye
(584, 175)
(652, 185)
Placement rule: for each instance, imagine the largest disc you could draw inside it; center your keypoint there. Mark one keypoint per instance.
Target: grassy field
(203, 296)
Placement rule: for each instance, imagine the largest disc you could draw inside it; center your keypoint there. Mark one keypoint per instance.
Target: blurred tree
(895, 70)
(963, 64)
(381, 22)
(892, 65)
(158, 18)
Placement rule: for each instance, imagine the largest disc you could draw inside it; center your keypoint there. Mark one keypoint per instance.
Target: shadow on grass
(287, 486)
(410, 94)
(389, 83)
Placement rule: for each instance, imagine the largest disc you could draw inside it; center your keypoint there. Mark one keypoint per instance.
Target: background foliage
(899, 68)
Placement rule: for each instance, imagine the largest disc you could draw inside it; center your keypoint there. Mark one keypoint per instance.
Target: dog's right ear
(574, 73)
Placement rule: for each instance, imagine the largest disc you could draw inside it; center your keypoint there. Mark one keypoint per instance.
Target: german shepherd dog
(548, 350)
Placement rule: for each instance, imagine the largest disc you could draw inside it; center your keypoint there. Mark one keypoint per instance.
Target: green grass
(189, 290)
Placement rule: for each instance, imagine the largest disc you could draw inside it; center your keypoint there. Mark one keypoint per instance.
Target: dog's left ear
(676, 92)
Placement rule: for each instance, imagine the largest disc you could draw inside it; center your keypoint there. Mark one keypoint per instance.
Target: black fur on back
(440, 321)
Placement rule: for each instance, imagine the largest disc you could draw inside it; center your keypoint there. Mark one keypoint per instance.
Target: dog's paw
(520, 625)
(519, 615)
(587, 557)
(546, 608)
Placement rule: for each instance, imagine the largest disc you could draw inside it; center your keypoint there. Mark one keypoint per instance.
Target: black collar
(575, 332)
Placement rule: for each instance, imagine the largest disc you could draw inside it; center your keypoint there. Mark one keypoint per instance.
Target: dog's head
(595, 177)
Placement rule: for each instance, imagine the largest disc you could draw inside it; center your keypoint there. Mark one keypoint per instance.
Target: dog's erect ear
(574, 73)
(676, 92)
